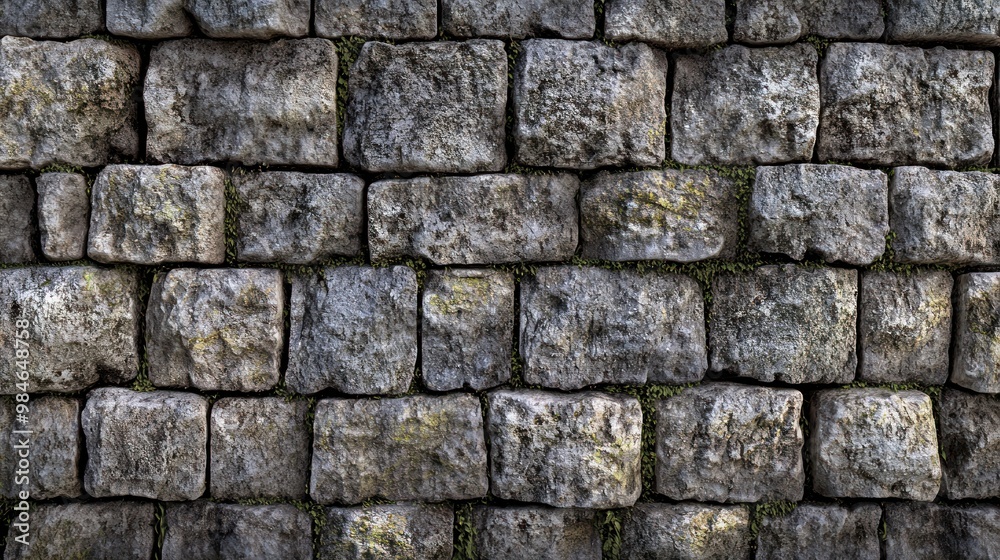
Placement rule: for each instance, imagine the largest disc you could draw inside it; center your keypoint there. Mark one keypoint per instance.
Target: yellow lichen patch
(466, 293)
(420, 428)
(384, 537)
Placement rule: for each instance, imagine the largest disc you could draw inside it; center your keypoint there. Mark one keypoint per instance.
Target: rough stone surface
(667, 23)
(740, 106)
(837, 212)
(427, 107)
(243, 102)
(54, 447)
(976, 348)
(944, 21)
(874, 443)
(96, 531)
(251, 19)
(786, 21)
(260, 448)
(474, 220)
(216, 329)
(785, 323)
(388, 531)
(587, 325)
(686, 532)
(970, 441)
(148, 19)
(724, 442)
(565, 450)
(156, 214)
(151, 445)
(63, 213)
(895, 105)
(532, 532)
(17, 230)
(682, 216)
(354, 330)
(468, 325)
(298, 218)
(82, 327)
(211, 531)
(821, 531)
(584, 105)
(51, 19)
(411, 448)
(69, 103)
(944, 532)
(386, 19)
(905, 327)
(517, 19)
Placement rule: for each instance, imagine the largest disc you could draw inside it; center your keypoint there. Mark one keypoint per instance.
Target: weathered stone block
(151, 445)
(51, 19)
(388, 531)
(682, 216)
(688, 531)
(148, 19)
(354, 330)
(17, 230)
(739, 106)
(210, 530)
(515, 533)
(942, 21)
(474, 220)
(723, 442)
(874, 443)
(584, 105)
(53, 444)
(673, 24)
(821, 531)
(565, 450)
(970, 443)
(947, 532)
(98, 530)
(468, 325)
(244, 102)
(63, 214)
(68, 102)
(786, 21)
(785, 323)
(155, 214)
(517, 19)
(251, 19)
(413, 448)
(895, 105)
(427, 107)
(976, 349)
(587, 325)
(386, 19)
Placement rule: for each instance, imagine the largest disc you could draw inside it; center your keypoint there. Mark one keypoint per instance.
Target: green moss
(465, 534)
(759, 511)
(348, 49)
(609, 526)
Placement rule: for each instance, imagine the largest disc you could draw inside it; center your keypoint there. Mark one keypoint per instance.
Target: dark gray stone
(673, 24)
(210, 531)
(385, 19)
(532, 532)
(251, 19)
(517, 19)
(388, 531)
(17, 231)
(760, 22)
(148, 19)
(944, 21)
(53, 446)
(976, 349)
(63, 214)
(822, 531)
(942, 532)
(95, 531)
(687, 531)
(51, 19)
(970, 444)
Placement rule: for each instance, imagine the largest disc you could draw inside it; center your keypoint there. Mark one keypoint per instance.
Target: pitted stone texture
(251, 19)
(670, 23)
(943, 532)
(216, 329)
(63, 213)
(586, 325)
(298, 218)
(905, 327)
(584, 105)
(388, 531)
(385, 19)
(565, 450)
(211, 531)
(51, 19)
(243, 102)
(970, 442)
(682, 216)
(686, 531)
(474, 220)
(944, 21)
(468, 323)
(82, 327)
(151, 445)
(96, 530)
(976, 348)
(427, 107)
(532, 532)
(874, 443)
(69, 103)
(156, 214)
(517, 19)
(761, 22)
(837, 212)
(148, 19)
(53, 445)
(821, 531)
(412, 448)
(785, 323)
(723, 442)
(354, 330)
(741, 106)
(17, 230)
(895, 105)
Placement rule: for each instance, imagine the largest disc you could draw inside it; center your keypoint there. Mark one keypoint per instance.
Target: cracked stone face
(536, 532)
(388, 531)
(686, 530)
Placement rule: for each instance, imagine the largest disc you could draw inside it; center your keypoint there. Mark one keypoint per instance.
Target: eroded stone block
(51, 19)
(821, 531)
(761, 22)
(385, 19)
(687, 530)
(98, 530)
(970, 442)
(53, 445)
(388, 531)
(942, 21)
(63, 214)
(210, 530)
(670, 23)
(251, 19)
(517, 19)
(976, 349)
(503, 533)
(148, 19)
(917, 530)
(17, 230)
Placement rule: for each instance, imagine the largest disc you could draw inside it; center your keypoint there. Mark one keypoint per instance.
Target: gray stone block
(970, 446)
(17, 231)
(760, 22)
(942, 532)
(427, 107)
(895, 105)
(822, 531)
(532, 532)
(517, 19)
(976, 349)
(207, 530)
(943, 21)
(565, 450)
(874, 443)
(586, 325)
(156, 214)
(385, 19)
(96, 531)
(675, 24)
(420, 448)
(724, 442)
(251, 19)
(388, 531)
(584, 105)
(687, 531)
(53, 446)
(51, 19)
(63, 214)
(148, 19)
(354, 330)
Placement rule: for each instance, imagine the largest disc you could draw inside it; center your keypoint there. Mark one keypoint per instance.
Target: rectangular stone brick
(517, 19)
(54, 448)
(942, 531)
(761, 22)
(63, 213)
(388, 531)
(970, 443)
(211, 530)
(821, 531)
(148, 19)
(686, 530)
(670, 24)
(98, 530)
(17, 230)
(976, 349)
(536, 532)
(944, 21)
(251, 19)
(385, 19)
(51, 19)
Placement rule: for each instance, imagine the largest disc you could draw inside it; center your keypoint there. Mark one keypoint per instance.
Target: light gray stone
(244, 102)
(354, 330)
(298, 218)
(724, 442)
(385, 19)
(895, 105)
(211, 531)
(586, 325)
(760, 22)
(942, 532)
(17, 230)
(584, 105)
(517, 19)
(63, 214)
(675, 24)
(785, 323)
(686, 531)
(95, 530)
(874, 443)
(970, 445)
(69, 103)
(672, 215)
(427, 107)
(976, 348)
(905, 327)
(944, 21)
(839, 213)
(388, 531)
(532, 532)
(148, 19)
(51, 19)
(152, 445)
(822, 531)
(53, 446)
(156, 214)
(251, 19)
(565, 450)
(467, 328)
(474, 220)
(412, 448)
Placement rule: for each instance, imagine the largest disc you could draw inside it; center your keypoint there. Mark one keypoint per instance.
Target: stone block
(976, 349)
(220, 531)
(941, 21)
(822, 531)
(148, 19)
(17, 231)
(63, 214)
(251, 19)
(970, 445)
(388, 531)
(385, 19)
(761, 22)
(531, 532)
(686, 530)
(944, 532)
(53, 445)
(672, 24)
(517, 19)
(95, 530)
(51, 19)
